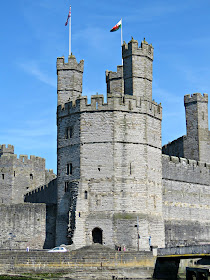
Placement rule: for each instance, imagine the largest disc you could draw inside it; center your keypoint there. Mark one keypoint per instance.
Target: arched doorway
(97, 235)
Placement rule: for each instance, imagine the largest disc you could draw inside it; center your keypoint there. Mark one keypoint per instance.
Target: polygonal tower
(109, 160)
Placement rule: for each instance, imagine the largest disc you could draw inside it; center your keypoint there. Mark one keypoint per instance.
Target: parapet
(114, 80)
(71, 64)
(9, 149)
(195, 97)
(114, 75)
(127, 103)
(22, 159)
(185, 161)
(132, 48)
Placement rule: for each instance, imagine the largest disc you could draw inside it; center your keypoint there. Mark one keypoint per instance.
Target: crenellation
(185, 161)
(127, 103)
(6, 149)
(115, 82)
(195, 97)
(132, 48)
(71, 64)
(69, 79)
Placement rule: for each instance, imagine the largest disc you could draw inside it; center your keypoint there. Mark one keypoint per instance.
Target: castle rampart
(186, 196)
(19, 175)
(129, 104)
(22, 225)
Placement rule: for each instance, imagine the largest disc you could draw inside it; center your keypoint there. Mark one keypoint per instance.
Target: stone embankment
(88, 262)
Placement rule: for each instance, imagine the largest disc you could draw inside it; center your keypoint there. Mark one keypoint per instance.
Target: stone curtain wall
(21, 175)
(22, 225)
(186, 201)
(175, 148)
(45, 194)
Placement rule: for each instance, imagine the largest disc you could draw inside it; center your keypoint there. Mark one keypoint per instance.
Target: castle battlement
(132, 48)
(110, 75)
(23, 159)
(184, 161)
(127, 103)
(6, 149)
(195, 97)
(41, 188)
(71, 64)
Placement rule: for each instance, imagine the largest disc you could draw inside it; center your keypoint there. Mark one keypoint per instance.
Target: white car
(58, 249)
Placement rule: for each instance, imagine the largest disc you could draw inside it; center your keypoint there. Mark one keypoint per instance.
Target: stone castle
(115, 183)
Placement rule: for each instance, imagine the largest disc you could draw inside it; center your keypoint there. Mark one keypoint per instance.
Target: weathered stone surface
(115, 155)
(22, 225)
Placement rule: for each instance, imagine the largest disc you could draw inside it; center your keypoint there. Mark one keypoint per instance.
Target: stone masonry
(109, 156)
(115, 184)
(20, 175)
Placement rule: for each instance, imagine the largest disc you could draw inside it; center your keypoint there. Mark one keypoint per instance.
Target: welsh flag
(117, 26)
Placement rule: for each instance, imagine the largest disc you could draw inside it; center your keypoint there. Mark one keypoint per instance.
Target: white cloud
(33, 69)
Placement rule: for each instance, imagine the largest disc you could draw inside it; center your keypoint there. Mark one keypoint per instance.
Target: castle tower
(196, 145)
(110, 169)
(115, 82)
(69, 79)
(137, 69)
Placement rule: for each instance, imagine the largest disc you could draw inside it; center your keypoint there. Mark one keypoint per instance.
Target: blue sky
(33, 35)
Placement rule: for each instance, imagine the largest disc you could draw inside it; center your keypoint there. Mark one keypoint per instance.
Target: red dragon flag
(69, 15)
(117, 26)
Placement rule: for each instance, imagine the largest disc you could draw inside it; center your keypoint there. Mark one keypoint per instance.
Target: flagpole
(121, 38)
(70, 33)
(121, 34)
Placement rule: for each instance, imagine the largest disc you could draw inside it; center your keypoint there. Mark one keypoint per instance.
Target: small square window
(31, 176)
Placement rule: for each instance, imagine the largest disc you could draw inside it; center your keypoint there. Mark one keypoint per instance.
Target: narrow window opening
(66, 134)
(2, 176)
(123, 99)
(96, 105)
(14, 173)
(203, 116)
(130, 169)
(66, 188)
(79, 215)
(23, 159)
(130, 105)
(86, 194)
(69, 132)
(99, 169)
(31, 176)
(69, 169)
